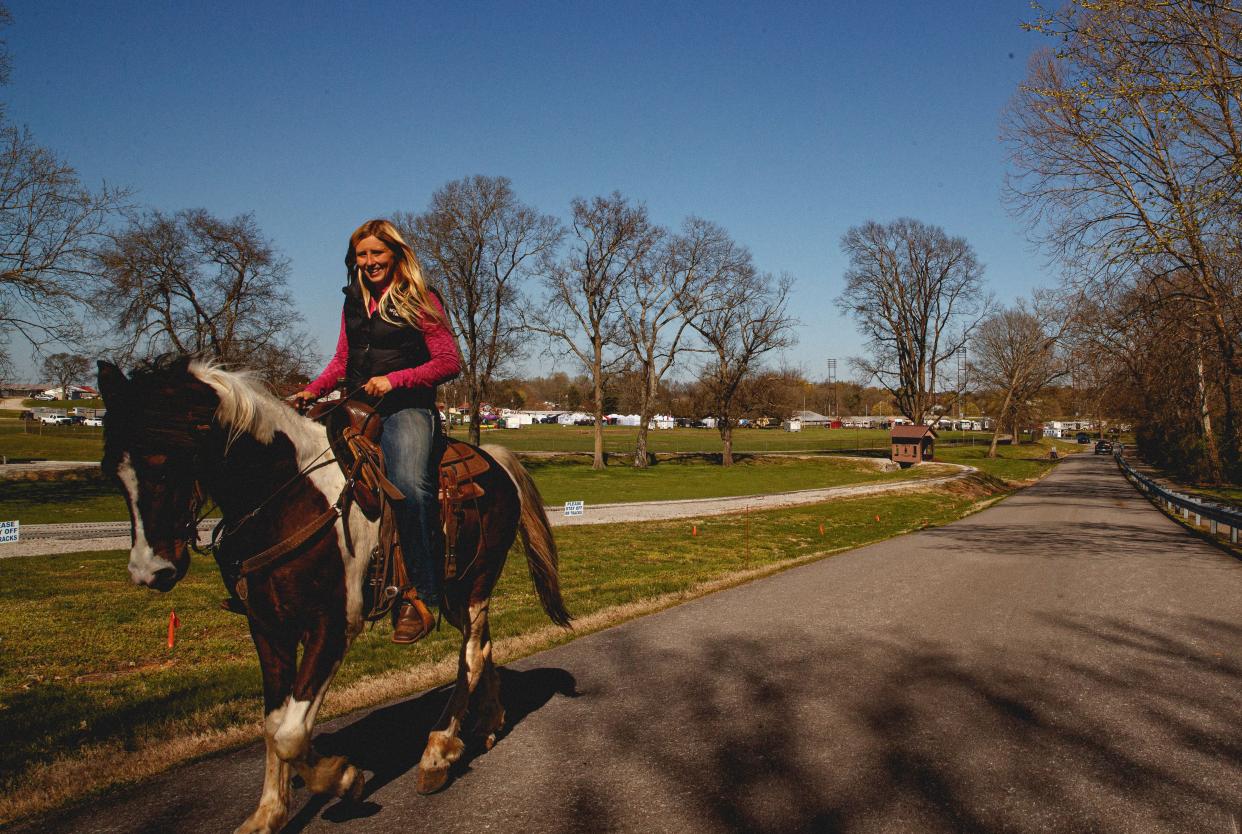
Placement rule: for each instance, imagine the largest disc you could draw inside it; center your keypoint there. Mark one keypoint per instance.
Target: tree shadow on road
(900, 733)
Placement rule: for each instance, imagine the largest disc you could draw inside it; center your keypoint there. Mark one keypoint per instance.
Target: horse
(180, 430)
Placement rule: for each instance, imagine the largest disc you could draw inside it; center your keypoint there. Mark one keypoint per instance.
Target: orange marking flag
(174, 623)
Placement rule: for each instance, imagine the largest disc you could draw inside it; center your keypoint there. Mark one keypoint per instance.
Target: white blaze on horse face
(143, 563)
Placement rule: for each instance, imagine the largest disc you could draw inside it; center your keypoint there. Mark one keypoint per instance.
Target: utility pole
(832, 380)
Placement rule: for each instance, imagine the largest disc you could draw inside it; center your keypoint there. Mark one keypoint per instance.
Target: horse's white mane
(247, 407)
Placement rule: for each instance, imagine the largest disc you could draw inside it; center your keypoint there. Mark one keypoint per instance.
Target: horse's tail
(536, 536)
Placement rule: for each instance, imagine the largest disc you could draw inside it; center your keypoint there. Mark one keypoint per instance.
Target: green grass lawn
(18, 440)
(61, 501)
(619, 440)
(1012, 463)
(97, 402)
(32, 440)
(563, 479)
(559, 480)
(85, 659)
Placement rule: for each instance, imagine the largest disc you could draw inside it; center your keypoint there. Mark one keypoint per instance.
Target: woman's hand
(302, 400)
(377, 386)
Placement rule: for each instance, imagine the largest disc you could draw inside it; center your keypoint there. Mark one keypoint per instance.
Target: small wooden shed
(913, 444)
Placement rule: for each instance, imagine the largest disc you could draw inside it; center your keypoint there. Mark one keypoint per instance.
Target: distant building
(812, 419)
(913, 444)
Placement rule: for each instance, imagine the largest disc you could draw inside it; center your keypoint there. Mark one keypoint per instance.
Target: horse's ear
(112, 381)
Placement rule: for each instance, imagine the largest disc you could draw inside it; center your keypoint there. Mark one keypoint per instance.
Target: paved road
(1067, 661)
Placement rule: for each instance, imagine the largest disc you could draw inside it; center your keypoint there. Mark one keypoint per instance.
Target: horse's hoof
(355, 790)
(430, 781)
(489, 742)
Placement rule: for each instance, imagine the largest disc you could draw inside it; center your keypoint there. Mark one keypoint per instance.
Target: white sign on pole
(9, 531)
(573, 507)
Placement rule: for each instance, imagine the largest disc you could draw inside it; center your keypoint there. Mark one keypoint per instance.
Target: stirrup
(414, 621)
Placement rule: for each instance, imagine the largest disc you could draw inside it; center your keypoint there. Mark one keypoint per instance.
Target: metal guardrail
(1187, 505)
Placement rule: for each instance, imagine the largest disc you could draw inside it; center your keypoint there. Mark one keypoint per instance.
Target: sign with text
(9, 531)
(571, 508)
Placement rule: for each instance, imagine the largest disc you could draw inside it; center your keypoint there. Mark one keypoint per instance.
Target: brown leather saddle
(354, 430)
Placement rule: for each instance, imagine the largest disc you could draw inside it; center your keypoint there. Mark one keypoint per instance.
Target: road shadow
(894, 732)
(387, 742)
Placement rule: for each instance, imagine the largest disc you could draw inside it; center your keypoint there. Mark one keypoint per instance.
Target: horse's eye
(155, 467)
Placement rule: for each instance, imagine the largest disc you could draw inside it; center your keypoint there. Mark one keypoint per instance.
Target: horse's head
(157, 422)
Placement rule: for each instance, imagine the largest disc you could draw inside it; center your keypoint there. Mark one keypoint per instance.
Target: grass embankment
(1227, 494)
(90, 696)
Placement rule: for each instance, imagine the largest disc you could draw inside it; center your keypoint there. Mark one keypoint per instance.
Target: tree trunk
(476, 423)
(1229, 428)
(640, 445)
(1211, 449)
(996, 430)
(597, 462)
(645, 409)
(726, 441)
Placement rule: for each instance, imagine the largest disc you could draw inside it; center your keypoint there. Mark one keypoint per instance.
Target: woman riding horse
(396, 345)
(297, 551)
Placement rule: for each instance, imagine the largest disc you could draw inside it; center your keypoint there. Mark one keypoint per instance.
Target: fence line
(1186, 505)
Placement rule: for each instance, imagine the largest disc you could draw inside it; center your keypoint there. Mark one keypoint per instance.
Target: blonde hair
(408, 300)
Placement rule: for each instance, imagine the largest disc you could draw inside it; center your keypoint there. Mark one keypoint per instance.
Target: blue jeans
(408, 441)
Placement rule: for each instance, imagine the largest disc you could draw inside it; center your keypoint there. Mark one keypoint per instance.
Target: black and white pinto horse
(179, 430)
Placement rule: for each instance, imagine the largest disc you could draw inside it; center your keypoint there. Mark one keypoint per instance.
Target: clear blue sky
(787, 123)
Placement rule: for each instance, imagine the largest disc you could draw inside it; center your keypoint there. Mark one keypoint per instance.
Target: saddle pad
(463, 461)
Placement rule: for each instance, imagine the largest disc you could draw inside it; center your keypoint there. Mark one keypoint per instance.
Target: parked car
(56, 419)
(1103, 447)
(44, 397)
(1083, 437)
(93, 421)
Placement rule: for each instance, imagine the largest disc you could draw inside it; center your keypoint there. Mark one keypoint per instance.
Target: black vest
(377, 348)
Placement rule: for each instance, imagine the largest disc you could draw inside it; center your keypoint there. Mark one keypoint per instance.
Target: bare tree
(1015, 354)
(192, 283)
(662, 298)
(1126, 144)
(610, 240)
(916, 295)
(65, 369)
(480, 244)
(48, 223)
(746, 319)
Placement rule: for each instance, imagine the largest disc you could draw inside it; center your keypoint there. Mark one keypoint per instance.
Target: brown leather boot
(414, 621)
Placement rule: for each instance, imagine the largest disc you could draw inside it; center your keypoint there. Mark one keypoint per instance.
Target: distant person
(396, 346)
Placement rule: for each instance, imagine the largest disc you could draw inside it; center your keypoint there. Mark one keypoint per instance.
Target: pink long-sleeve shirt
(443, 365)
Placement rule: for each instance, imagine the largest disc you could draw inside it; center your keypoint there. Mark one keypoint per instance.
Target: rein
(290, 543)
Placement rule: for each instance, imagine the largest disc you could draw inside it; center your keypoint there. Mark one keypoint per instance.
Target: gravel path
(44, 539)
